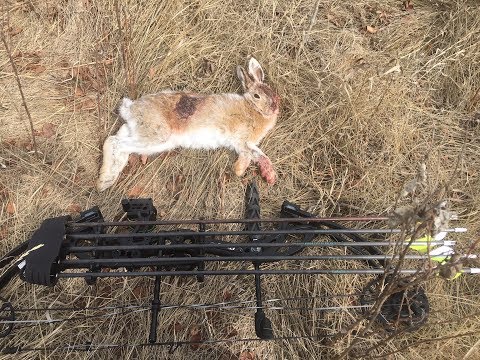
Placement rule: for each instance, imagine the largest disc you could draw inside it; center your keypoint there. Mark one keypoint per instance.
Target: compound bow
(90, 248)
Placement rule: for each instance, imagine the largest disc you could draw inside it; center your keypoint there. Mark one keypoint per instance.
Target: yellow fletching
(455, 276)
(422, 248)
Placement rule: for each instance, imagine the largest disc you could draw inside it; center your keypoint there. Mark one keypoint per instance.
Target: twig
(474, 100)
(19, 84)
(99, 114)
(473, 350)
(132, 92)
(104, 62)
(313, 20)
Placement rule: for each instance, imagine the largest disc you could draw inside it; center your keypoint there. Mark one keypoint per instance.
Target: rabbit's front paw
(266, 170)
(241, 165)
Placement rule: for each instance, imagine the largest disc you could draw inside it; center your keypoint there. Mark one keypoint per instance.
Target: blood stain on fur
(266, 169)
(275, 104)
(186, 106)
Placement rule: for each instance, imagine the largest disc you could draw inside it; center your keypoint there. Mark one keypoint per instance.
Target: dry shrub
(360, 110)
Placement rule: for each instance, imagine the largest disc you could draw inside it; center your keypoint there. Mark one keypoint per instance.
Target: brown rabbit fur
(167, 120)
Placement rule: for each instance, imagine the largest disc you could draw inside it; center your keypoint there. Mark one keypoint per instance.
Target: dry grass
(351, 133)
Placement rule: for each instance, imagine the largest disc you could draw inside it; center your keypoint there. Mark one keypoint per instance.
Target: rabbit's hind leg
(115, 158)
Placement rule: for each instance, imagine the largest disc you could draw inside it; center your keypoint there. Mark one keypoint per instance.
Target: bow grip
(43, 251)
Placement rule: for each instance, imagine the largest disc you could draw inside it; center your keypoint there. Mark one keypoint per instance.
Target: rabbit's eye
(256, 96)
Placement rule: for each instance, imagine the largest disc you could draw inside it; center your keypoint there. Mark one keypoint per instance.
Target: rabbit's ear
(244, 77)
(255, 70)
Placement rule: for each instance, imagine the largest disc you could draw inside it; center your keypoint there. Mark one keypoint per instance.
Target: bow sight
(92, 248)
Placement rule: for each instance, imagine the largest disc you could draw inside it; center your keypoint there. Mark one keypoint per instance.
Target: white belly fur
(202, 139)
(199, 139)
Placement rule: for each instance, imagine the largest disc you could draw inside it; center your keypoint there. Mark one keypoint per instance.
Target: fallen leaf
(48, 130)
(11, 208)
(227, 295)
(74, 208)
(35, 68)
(206, 68)
(225, 177)
(139, 292)
(81, 73)
(79, 92)
(383, 16)
(105, 290)
(245, 180)
(175, 186)
(3, 232)
(80, 302)
(133, 160)
(64, 64)
(214, 318)
(14, 30)
(33, 56)
(63, 69)
(334, 20)
(88, 78)
(195, 336)
(135, 191)
(86, 3)
(247, 355)
(144, 159)
(408, 5)
(78, 177)
(232, 333)
(371, 29)
(151, 72)
(28, 144)
(88, 104)
(97, 85)
(177, 327)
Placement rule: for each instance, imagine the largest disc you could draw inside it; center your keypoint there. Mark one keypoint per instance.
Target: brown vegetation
(368, 88)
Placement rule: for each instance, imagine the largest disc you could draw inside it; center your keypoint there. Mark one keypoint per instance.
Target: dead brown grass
(352, 131)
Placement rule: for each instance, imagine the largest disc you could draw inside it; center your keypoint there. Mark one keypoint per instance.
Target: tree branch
(19, 84)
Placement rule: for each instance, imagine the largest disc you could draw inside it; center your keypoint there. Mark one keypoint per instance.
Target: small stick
(126, 63)
(99, 114)
(19, 84)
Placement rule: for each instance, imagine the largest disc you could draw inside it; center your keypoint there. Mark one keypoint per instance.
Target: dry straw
(361, 109)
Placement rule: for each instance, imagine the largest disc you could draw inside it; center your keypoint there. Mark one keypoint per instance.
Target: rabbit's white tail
(124, 109)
